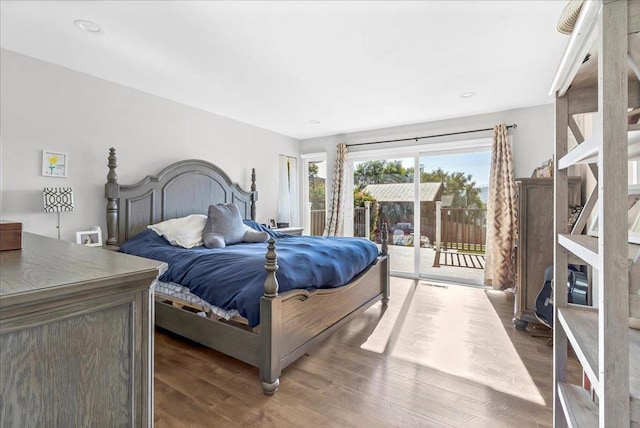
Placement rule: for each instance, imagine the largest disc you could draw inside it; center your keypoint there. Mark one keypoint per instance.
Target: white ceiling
(278, 65)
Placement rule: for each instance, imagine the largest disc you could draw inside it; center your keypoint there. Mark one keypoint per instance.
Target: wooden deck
(402, 261)
(437, 357)
(458, 259)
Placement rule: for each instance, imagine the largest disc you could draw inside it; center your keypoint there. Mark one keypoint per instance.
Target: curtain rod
(514, 126)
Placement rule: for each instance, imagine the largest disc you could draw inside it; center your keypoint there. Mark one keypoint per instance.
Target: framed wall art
(54, 164)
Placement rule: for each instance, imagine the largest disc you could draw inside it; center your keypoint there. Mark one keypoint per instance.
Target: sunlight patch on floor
(401, 292)
(456, 330)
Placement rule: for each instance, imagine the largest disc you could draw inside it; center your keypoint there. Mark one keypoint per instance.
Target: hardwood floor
(436, 357)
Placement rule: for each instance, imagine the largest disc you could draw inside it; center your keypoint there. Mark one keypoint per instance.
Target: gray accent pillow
(225, 227)
(213, 240)
(252, 235)
(224, 220)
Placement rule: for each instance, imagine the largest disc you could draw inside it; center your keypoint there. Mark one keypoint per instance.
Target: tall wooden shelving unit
(607, 348)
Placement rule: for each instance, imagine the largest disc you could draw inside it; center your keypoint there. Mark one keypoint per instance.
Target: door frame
(308, 158)
(416, 152)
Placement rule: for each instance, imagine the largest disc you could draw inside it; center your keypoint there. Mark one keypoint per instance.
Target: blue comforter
(233, 277)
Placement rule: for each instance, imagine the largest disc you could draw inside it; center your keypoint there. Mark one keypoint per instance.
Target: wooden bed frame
(290, 323)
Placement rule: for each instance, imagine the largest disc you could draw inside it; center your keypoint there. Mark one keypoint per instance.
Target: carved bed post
(384, 234)
(270, 324)
(254, 194)
(112, 193)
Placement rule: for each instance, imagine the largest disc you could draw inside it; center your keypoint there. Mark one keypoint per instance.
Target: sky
(477, 164)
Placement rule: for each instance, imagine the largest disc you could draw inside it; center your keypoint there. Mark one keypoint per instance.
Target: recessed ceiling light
(88, 26)
(314, 121)
(468, 94)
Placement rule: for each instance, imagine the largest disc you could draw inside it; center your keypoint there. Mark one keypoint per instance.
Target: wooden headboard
(183, 188)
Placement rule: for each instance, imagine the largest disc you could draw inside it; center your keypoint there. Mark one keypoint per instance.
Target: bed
(290, 322)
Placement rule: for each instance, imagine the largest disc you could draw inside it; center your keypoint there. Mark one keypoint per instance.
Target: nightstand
(292, 230)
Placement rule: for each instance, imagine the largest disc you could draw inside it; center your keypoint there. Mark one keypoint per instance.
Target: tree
(359, 198)
(463, 189)
(317, 188)
(313, 169)
(457, 184)
(460, 185)
(381, 172)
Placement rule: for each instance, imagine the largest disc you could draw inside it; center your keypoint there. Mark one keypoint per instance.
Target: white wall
(532, 139)
(44, 106)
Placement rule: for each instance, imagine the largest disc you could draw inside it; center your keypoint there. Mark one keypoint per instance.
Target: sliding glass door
(434, 204)
(388, 187)
(454, 215)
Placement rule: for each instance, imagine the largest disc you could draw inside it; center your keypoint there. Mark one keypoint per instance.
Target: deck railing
(318, 220)
(359, 222)
(464, 229)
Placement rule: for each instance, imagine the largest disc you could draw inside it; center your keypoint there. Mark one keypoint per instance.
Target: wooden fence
(359, 220)
(319, 219)
(464, 229)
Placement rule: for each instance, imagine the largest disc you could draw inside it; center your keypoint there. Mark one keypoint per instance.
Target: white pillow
(182, 232)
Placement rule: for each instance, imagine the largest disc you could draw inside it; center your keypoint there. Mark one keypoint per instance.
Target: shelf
(583, 246)
(581, 327)
(587, 152)
(579, 409)
(593, 78)
(583, 153)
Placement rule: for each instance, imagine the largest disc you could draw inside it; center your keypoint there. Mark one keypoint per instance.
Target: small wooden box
(10, 235)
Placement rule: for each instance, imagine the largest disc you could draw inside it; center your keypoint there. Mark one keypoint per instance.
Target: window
(288, 202)
(315, 193)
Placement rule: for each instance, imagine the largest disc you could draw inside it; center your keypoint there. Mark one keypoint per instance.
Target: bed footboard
(311, 316)
(270, 325)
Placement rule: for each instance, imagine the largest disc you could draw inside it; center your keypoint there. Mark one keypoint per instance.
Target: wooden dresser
(76, 336)
(535, 241)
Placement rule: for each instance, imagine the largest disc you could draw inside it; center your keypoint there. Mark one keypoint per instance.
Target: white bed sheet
(176, 290)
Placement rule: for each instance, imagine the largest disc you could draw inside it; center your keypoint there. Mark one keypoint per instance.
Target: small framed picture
(54, 164)
(91, 238)
(272, 223)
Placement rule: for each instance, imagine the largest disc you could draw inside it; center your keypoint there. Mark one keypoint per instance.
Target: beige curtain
(335, 215)
(502, 222)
